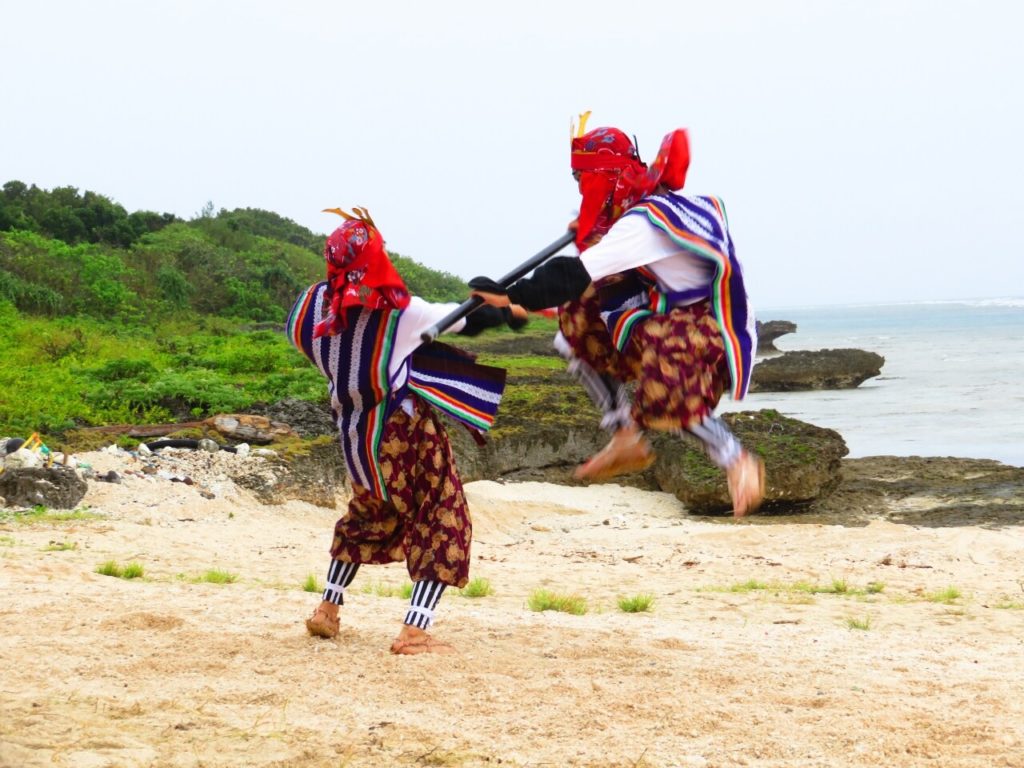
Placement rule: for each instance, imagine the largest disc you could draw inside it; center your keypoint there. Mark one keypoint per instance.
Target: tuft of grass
(947, 596)
(6, 541)
(216, 576)
(862, 624)
(109, 568)
(132, 570)
(39, 514)
(636, 604)
(383, 589)
(546, 600)
(874, 587)
(477, 587)
(60, 546)
(311, 584)
(839, 587)
(1009, 605)
(751, 585)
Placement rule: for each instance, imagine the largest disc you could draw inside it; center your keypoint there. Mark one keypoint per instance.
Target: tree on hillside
(64, 214)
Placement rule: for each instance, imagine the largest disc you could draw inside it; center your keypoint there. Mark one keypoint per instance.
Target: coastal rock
(55, 487)
(802, 463)
(926, 491)
(306, 418)
(815, 370)
(769, 331)
(546, 426)
(305, 470)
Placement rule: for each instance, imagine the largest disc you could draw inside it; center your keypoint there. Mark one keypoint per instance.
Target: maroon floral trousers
(676, 359)
(426, 522)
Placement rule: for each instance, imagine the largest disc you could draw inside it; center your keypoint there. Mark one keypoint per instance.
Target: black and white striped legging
(339, 576)
(425, 595)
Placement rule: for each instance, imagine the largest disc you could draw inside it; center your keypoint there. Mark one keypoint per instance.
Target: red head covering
(359, 272)
(613, 178)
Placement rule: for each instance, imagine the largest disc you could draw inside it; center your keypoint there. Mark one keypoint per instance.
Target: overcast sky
(867, 151)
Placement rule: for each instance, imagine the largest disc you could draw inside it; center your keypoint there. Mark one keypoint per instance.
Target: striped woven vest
(356, 363)
(699, 226)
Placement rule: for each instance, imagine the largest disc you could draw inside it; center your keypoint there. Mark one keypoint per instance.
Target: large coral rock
(812, 370)
(769, 331)
(56, 487)
(802, 463)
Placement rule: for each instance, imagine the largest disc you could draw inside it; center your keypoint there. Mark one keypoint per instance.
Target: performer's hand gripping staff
(521, 271)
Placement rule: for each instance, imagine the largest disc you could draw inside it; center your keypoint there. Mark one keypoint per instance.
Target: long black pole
(475, 301)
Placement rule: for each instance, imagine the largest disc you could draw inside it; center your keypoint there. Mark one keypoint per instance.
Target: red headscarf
(613, 178)
(359, 272)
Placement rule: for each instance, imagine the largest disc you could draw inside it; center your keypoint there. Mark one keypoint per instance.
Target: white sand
(165, 671)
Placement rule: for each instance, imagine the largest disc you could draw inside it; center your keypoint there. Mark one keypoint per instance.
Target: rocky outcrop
(802, 463)
(56, 487)
(769, 331)
(307, 418)
(822, 369)
(311, 471)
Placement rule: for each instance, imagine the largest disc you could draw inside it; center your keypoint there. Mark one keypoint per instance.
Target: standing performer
(361, 329)
(657, 297)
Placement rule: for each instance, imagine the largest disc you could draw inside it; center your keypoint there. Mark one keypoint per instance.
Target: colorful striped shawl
(699, 226)
(356, 364)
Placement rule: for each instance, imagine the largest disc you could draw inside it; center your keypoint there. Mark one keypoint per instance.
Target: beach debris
(208, 445)
(22, 458)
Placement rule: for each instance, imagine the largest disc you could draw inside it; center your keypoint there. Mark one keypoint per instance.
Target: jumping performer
(656, 297)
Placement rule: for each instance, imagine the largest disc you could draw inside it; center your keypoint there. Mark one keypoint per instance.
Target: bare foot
(746, 484)
(627, 451)
(324, 621)
(412, 640)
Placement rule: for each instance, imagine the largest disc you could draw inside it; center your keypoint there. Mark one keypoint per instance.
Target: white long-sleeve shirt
(633, 242)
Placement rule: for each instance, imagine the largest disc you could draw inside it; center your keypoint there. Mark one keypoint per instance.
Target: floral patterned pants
(676, 359)
(426, 521)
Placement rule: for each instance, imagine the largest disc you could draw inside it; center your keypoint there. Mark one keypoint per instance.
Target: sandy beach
(783, 643)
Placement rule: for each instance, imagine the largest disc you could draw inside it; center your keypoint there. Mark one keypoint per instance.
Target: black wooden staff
(475, 301)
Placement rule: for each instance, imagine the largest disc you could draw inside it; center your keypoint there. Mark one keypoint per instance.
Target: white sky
(866, 150)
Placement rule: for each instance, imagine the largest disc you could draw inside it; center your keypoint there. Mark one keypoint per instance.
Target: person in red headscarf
(361, 329)
(656, 297)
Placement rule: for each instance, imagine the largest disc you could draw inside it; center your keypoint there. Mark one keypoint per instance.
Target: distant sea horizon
(950, 386)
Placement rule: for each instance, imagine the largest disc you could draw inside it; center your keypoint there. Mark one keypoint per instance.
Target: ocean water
(951, 384)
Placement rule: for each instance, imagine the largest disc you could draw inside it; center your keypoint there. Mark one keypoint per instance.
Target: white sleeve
(630, 243)
(415, 319)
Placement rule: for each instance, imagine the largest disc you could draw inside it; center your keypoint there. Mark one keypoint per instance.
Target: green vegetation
(311, 584)
(110, 317)
(862, 624)
(835, 587)
(40, 514)
(546, 600)
(132, 570)
(637, 603)
(216, 576)
(478, 587)
(383, 589)
(948, 596)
